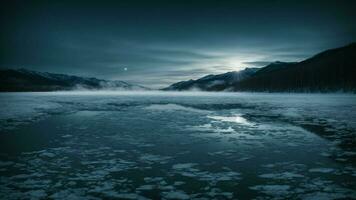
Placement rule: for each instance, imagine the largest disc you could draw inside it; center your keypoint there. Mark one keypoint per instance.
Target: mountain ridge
(22, 80)
(328, 71)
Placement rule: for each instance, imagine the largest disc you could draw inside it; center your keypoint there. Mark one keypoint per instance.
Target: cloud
(258, 63)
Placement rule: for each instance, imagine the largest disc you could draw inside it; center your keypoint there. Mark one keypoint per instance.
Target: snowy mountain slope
(213, 82)
(27, 80)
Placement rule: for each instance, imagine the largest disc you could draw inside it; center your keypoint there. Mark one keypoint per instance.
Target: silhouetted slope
(26, 80)
(330, 70)
(274, 67)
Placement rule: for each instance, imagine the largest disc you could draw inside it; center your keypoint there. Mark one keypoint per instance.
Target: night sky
(156, 43)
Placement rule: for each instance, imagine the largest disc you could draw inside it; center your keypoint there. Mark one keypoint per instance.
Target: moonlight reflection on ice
(236, 119)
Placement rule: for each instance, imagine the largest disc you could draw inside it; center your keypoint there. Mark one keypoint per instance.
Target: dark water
(177, 146)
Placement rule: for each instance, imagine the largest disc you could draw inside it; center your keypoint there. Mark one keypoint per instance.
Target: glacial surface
(165, 145)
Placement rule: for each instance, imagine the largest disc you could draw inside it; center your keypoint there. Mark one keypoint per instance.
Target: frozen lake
(164, 145)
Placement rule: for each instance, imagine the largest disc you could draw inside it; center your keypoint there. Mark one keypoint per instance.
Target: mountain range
(20, 80)
(328, 71)
(214, 82)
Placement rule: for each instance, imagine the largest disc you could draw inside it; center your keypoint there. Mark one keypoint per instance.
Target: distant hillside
(27, 80)
(213, 82)
(331, 70)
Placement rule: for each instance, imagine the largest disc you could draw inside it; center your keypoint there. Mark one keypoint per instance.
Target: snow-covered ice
(172, 145)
